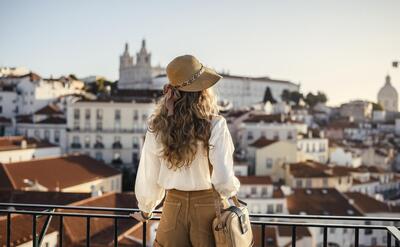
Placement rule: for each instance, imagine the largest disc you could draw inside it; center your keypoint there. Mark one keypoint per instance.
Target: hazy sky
(343, 48)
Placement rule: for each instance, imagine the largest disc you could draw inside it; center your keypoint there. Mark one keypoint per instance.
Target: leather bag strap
(217, 196)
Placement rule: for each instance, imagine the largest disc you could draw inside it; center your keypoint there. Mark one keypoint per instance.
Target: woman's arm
(148, 192)
(221, 158)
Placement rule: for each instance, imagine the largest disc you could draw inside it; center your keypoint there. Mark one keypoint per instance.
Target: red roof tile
(262, 142)
(65, 172)
(264, 180)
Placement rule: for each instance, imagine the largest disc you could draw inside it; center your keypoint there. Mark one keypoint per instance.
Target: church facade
(388, 97)
(137, 72)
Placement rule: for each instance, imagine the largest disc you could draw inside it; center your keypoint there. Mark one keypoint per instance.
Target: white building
(342, 156)
(110, 129)
(313, 146)
(388, 97)
(241, 91)
(25, 94)
(261, 196)
(137, 73)
(272, 127)
(19, 148)
(48, 124)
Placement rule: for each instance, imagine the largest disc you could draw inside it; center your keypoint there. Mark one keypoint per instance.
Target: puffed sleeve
(148, 192)
(221, 158)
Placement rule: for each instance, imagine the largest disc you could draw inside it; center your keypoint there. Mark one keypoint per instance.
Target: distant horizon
(344, 49)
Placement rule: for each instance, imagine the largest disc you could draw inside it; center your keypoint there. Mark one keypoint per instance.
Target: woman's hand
(139, 217)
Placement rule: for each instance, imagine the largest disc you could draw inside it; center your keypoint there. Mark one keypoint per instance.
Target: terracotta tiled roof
(62, 172)
(53, 120)
(50, 109)
(255, 118)
(40, 197)
(308, 169)
(286, 231)
(102, 229)
(262, 142)
(368, 204)
(270, 235)
(320, 202)
(265, 180)
(9, 143)
(21, 229)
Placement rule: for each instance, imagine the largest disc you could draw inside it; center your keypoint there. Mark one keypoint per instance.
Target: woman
(175, 162)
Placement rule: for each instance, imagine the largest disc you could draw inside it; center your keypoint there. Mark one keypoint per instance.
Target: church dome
(387, 91)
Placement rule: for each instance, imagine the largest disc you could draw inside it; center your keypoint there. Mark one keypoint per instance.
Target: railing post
(389, 239)
(144, 225)
(8, 229)
(60, 232)
(34, 241)
(262, 235)
(356, 234)
(115, 232)
(325, 244)
(294, 236)
(87, 231)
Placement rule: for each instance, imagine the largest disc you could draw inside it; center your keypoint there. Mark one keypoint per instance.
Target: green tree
(313, 99)
(285, 96)
(296, 97)
(268, 96)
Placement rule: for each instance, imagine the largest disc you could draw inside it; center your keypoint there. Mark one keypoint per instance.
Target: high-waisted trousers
(186, 219)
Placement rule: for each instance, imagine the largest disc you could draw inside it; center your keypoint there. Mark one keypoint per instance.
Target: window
(250, 135)
(276, 135)
(1, 109)
(46, 135)
(99, 155)
(269, 163)
(144, 117)
(76, 114)
(99, 125)
(87, 141)
(279, 208)
(270, 208)
(289, 135)
(37, 134)
(308, 183)
(117, 115)
(99, 114)
(299, 183)
(264, 191)
(87, 114)
(373, 241)
(76, 125)
(75, 139)
(368, 231)
(325, 182)
(56, 136)
(135, 142)
(253, 190)
(135, 115)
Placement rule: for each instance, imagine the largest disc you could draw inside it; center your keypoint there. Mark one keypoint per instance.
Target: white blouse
(154, 177)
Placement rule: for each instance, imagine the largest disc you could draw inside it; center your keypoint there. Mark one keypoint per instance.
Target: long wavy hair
(190, 123)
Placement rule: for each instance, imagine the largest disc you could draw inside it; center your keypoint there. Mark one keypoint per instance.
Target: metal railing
(293, 221)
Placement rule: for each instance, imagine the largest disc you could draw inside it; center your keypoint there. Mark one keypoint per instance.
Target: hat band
(194, 77)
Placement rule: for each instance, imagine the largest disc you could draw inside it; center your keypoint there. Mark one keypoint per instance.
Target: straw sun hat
(186, 73)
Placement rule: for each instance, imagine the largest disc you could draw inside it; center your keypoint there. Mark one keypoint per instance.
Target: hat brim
(207, 79)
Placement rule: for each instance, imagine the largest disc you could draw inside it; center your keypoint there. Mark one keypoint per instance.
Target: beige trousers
(186, 219)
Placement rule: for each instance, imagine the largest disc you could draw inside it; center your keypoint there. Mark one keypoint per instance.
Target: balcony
(76, 145)
(260, 222)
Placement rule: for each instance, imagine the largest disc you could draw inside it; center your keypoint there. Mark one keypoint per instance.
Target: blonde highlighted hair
(190, 123)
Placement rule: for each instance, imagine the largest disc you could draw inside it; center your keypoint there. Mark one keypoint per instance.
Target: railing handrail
(277, 216)
(49, 211)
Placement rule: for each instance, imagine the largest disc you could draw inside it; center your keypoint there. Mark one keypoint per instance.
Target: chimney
(24, 144)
